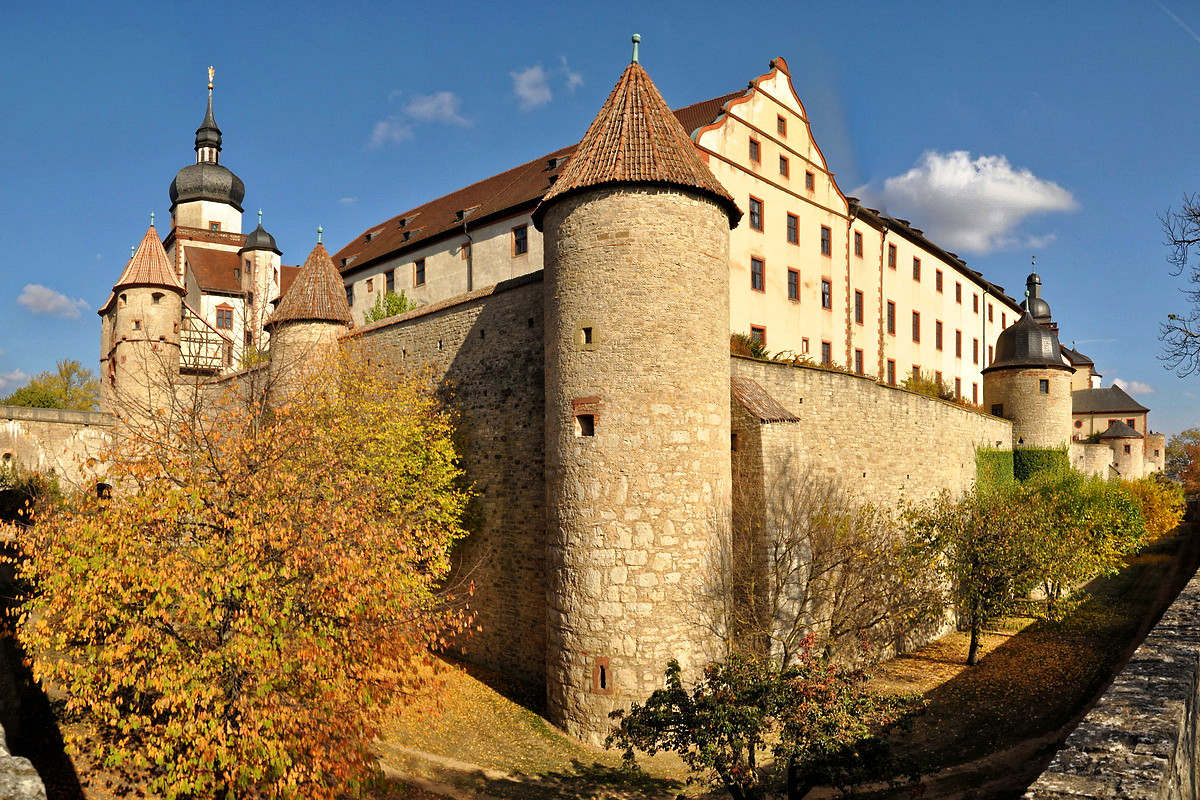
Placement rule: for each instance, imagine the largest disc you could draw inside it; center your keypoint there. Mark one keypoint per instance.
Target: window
(937, 376)
(793, 229)
(916, 371)
(419, 272)
(891, 372)
(585, 424)
(826, 353)
(755, 155)
(1126, 449)
(1078, 423)
(237, 274)
(793, 286)
(758, 278)
(991, 308)
(781, 125)
(937, 280)
(810, 181)
(1044, 386)
(975, 393)
(975, 303)
(826, 241)
(997, 409)
(974, 351)
(937, 334)
(826, 293)
(225, 318)
(137, 324)
(916, 326)
(156, 298)
(520, 240)
(758, 334)
(916, 269)
(350, 295)
(370, 284)
(390, 278)
(990, 354)
(1112, 422)
(958, 344)
(958, 387)
(891, 318)
(783, 166)
(804, 345)
(756, 214)
(858, 307)
(858, 244)
(214, 226)
(1131, 423)
(1003, 320)
(858, 361)
(958, 292)
(892, 256)
(464, 252)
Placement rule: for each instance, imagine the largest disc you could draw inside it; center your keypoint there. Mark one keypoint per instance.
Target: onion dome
(259, 239)
(1033, 302)
(317, 294)
(207, 179)
(1028, 343)
(208, 134)
(636, 140)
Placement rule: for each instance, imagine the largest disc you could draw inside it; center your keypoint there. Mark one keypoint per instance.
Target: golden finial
(211, 71)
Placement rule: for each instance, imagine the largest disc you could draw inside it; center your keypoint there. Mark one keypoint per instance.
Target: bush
(993, 467)
(1030, 461)
(1161, 502)
(741, 344)
(926, 384)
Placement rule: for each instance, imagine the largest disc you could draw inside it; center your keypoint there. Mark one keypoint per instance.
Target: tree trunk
(797, 788)
(973, 650)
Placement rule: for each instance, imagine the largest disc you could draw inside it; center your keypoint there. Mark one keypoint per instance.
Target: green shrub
(1030, 461)
(993, 467)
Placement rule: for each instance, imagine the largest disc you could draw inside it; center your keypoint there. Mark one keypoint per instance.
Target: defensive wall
(53, 441)
(1141, 741)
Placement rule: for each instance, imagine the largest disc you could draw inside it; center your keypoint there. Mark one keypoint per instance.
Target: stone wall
(885, 442)
(485, 348)
(1141, 740)
(1040, 419)
(1092, 459)
(53, 441)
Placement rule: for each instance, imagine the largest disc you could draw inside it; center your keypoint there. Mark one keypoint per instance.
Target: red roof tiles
(149, 266)
(214, 269)
(316, 295)
(636, 139)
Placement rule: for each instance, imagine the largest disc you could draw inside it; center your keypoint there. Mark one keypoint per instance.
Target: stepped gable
(316, 295)
(636, 139)
(149, 266)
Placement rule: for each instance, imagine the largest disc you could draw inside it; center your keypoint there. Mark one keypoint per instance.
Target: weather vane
(211, 71)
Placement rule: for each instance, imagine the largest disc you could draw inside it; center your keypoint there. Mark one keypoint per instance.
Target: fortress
(581, 306)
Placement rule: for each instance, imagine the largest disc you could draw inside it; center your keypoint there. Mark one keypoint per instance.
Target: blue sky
(1006, 129)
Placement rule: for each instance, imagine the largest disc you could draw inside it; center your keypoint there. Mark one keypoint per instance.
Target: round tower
(139, 363)
(636, 294)
(260, 258)
(1128, 450)
(306, 324)
(1030, 384)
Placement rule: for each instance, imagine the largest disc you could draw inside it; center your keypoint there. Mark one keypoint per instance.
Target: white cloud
(390, 131)
(1133, 387)
(348, 201)
(532, 87)
(12, 380)
(42, 300)
(969, 204)
(437, 107)
(574, 79)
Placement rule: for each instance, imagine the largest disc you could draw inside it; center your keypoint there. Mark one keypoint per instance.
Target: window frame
(810, 181)
(758, 274)
(755, 151)
(891, 317)
(859, 305)
(793, 285)
(938, 334)
(858, 244)
(826, 241)
(750, 216)
(785, 167)
(793, 229)
(418, 272)
(891, 256)
(916, 269)
(761, 332)
(826, 352)
(520, 241)
(916, 326)
(827, 294)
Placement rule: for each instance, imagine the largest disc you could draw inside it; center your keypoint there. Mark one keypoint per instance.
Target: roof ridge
(317, 294)
(149, 265)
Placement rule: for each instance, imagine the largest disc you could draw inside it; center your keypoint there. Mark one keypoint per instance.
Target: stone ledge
(97, 418)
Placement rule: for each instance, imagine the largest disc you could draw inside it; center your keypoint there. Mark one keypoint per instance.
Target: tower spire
(208, 135)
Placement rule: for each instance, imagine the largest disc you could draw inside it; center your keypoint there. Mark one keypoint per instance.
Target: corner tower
(636, 295)
(139, 335)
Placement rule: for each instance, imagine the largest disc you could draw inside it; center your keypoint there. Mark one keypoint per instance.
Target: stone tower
(309, 319)
(260, 258)
(1029, 382)
(636, 295)
(139, 334)
(206, 195)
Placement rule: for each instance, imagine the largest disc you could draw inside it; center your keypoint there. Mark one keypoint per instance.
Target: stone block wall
(53, 441)
(485, 348)
(1092, 459)
(1141, 741)
(1040, 419)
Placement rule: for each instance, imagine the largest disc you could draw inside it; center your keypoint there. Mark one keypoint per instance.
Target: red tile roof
(287, 276)
(149, 266)
(317, 294)
(635, 138)
(214, 269)
(512, 192)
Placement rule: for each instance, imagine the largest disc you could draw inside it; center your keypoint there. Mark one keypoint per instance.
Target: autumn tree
(388, 304)
(69, 386)
(757, 729)
(261, 588)
(1161, 503)
(1183, 459)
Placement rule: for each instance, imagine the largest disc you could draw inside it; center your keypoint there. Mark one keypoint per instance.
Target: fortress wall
(1092, 459)
(53, 440)
(486, 348)
(1141, 740)
(884, 442)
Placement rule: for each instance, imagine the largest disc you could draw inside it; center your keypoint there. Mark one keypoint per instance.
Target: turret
(260, 258)
(636, 296)
(139, 362)
(306, 324)
(207, 195)
(1030, 384)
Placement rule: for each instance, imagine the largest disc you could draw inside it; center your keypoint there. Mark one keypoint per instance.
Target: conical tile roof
(317, 294)
(636, 139)
(149, 266)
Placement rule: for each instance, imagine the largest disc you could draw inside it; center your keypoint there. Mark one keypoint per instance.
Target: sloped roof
(287, 276)
(1109, 400)
(636, 139)
(761, 405)
(149, 266)
(1075, 357)
(511, 192)
(214, 269)
(1119, 430)
(317, 294)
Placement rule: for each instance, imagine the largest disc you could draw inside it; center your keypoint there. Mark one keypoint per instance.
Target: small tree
(388, 304)
(1180, 334)
(754, 728)
(1161, 503)
(68, 386)
(259, 590)
(1183, 459)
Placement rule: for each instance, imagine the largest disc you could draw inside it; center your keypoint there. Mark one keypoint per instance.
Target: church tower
(139, 358)
(206, 195)
(636, 298)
